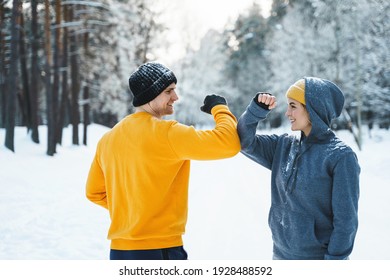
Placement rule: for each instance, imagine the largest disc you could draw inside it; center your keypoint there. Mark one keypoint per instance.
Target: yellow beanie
(297, 91)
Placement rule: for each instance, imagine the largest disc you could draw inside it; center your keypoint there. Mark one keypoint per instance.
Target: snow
(45, 215)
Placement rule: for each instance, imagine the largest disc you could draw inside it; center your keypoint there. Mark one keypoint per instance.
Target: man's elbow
(234, 146)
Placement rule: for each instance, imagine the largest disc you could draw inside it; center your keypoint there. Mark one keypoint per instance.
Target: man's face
(163, 104)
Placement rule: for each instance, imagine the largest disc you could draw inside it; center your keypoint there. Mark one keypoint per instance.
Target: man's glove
(212, 100)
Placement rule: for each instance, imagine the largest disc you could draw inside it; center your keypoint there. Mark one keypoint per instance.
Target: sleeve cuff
(256, 110)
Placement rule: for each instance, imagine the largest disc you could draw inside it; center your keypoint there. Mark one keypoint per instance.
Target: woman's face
(298, 116)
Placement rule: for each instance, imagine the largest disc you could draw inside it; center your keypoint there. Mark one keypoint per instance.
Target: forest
(66, 62)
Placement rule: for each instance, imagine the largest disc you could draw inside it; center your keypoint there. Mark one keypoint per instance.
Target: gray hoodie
(314, 180)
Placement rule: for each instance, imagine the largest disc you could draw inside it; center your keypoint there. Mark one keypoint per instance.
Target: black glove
(212, 100)
(262, 105)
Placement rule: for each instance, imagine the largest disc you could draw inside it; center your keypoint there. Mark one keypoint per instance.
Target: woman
(315, 176)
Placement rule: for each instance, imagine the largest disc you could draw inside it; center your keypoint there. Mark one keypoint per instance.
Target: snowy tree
(81, 55)
(375, 61)
(297, 49)
(126, 42)
(200, 74)
(247, 67)
(335, 40)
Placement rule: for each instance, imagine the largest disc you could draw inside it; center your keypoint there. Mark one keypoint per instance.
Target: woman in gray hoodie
(315, 176)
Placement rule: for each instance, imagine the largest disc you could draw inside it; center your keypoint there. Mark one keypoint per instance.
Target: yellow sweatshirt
(140, 173)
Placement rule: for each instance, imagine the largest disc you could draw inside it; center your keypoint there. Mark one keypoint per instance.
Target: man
(141, 169)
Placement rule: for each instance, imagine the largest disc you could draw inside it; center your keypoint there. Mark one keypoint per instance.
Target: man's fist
(212, 100)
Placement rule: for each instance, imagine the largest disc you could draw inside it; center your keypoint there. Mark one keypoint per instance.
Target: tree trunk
(75, 87)
(86, 113)
(64, 88)
(12, 82)
(3, 69)
(35, 77)
(57, 65)
(26, 99)
(51, 145)
(86, 95)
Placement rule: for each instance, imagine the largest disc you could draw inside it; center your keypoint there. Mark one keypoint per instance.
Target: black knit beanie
(148, 81)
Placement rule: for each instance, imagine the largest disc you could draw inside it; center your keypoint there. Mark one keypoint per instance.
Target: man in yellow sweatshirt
(141, 168)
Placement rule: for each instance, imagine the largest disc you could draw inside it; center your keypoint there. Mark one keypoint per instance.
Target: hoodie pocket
(293, 231)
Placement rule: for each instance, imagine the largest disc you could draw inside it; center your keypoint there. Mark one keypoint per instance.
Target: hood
(324, 102)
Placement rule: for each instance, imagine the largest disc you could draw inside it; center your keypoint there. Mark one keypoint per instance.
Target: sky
(189, 20)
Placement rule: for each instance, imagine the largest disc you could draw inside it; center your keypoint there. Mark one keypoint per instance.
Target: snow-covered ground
(44, 214)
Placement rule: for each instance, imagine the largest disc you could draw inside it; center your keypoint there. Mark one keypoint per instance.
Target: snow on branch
(68, 24)
(97, 22)
(86, 3)
(80, 23)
